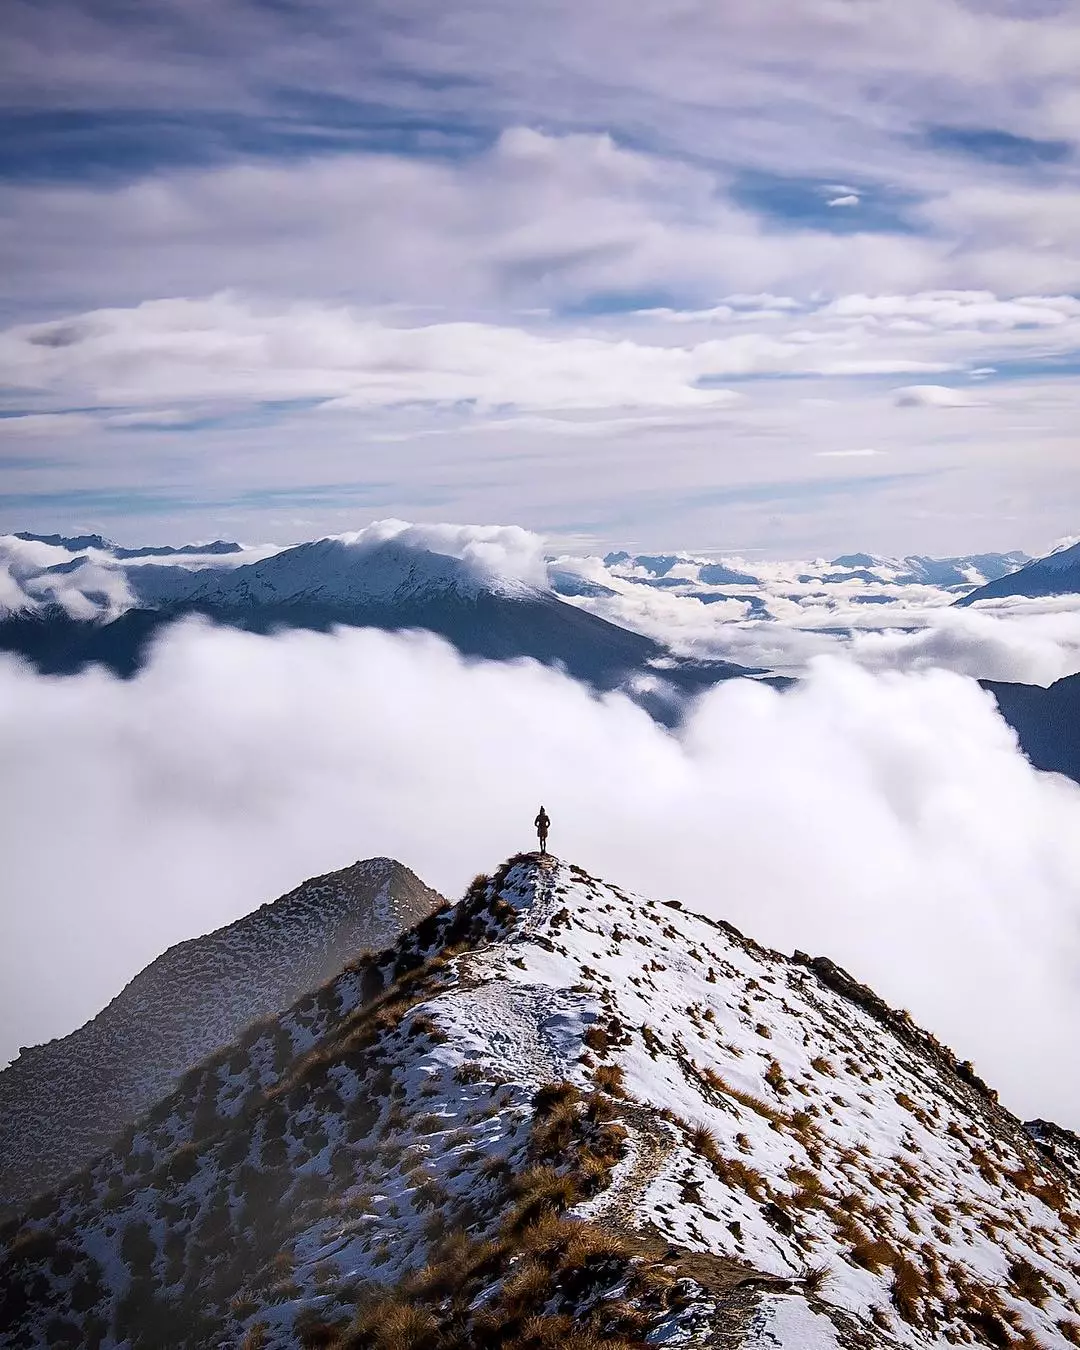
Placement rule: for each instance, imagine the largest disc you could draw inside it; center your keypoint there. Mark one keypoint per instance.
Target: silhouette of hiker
(542, 823)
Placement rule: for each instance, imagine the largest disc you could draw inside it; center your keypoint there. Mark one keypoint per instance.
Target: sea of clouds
(882, 817)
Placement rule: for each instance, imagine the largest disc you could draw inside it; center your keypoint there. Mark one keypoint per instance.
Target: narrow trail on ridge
(649, 1145)
(510, 1020)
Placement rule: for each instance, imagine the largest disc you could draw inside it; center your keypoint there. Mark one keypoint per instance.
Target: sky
(794, 279)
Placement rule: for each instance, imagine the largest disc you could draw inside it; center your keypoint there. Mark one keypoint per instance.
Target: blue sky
(800, 280)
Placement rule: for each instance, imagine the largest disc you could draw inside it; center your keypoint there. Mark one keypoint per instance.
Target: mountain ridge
(1056, 574)
(558, 1110)
(194, 997)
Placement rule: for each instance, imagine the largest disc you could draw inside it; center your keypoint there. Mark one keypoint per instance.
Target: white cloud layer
(787, 615)
(886, 820)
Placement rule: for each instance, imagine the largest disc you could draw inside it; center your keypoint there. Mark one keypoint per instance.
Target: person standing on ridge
(542, 824)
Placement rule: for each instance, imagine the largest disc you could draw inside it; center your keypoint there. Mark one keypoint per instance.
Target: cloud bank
(886, 820)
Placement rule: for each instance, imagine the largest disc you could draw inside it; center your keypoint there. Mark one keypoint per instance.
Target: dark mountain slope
(1047, 721)
(63, 1102)
(1057, 574)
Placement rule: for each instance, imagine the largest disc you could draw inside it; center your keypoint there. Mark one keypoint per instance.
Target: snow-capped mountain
(557, 1114)
(62, 1102)
(1056, 574)
(341, 572)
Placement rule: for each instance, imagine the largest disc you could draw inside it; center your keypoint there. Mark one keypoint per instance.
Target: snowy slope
(1057, 574)
(61, 1103)
(342, 571)
(560, 1110)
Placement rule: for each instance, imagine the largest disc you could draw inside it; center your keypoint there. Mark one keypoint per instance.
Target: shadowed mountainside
(1047, 722)
(63, 1102)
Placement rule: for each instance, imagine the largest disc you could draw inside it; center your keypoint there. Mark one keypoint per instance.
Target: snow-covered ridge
(389, 562)
(1056, 574)
(62, 1102)
(739, 1144)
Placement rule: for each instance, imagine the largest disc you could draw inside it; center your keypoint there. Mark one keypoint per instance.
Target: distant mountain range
(1056, 574)
(559, 1115)
(81, 542)
(124, 598)
(916, 570)
(63, 1102)
(335, 581)
(670, 570)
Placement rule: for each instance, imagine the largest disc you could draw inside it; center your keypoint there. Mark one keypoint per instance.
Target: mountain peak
(349, 569)
(197, 996)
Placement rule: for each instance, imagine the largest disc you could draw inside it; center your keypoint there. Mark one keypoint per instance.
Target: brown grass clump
(540, 1191)
(908, 1290)
(554, 1133)
(720, 1084)
(389, 1324)
(1028, 1281)
(705, 1144)
(553, 1095)
(873, 1254)
(985, 1167)
(609, 1078)
(814, 1277)
(597, 1039)
(734, 1172)
(774, 1076)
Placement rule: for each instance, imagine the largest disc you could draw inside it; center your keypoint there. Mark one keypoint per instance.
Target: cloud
(933, 396)
(505, 552)
(959, 310)
(223, 347)
(233, 349)
(884, 819)
(791, 615)
(1025, 649)
(850, 199)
